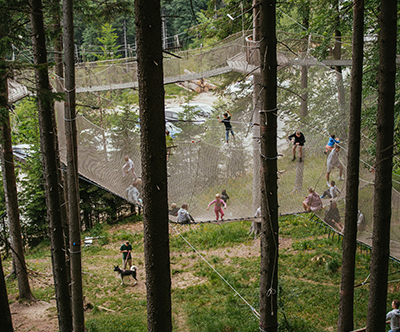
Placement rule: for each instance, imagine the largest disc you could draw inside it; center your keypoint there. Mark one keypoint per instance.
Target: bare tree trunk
(383, 170)
(349, 245)
(72, 170)
(5, 313)
(10, 190)
(256, 227)
(49, 147)
(154, 164)
(59, 70)
(269, 187)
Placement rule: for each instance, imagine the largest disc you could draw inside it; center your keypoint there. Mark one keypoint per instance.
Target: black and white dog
(123, 273)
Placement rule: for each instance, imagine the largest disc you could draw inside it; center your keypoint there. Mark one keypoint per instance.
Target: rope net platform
(201, 165)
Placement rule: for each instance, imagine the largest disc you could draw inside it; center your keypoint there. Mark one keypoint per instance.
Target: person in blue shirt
(331, 143)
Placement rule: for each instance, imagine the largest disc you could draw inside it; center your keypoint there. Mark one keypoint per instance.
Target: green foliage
(108, 39)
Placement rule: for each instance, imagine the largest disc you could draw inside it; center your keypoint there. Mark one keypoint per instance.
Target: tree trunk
(269, 187)
(154, 164)
(349, 245)
(256, 227)
(49, 147)
(5, 314)
(4, 307)
(10, 190)
(72, 170)
(383, 170)
(59, 70)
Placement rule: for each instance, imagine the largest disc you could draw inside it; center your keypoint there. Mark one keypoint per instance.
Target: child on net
(218, 206)
(331, 143)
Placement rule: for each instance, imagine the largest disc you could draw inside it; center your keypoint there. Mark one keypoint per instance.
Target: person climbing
(218, 206)
(332, 162)
(228, 127)
(331, 143)
(126, 250)
(312, 202)
(332, 191)
(128, 167)
(169, 142)
(394, 316)
(224, 196)
(298, 140)
(183, 215)
(133, 192)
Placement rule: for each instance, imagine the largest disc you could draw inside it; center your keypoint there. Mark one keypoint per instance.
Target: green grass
(308, 292)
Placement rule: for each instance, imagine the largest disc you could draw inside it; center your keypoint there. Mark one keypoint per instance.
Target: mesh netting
(201, 165)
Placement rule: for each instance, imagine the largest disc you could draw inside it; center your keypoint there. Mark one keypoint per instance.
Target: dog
(123, 273)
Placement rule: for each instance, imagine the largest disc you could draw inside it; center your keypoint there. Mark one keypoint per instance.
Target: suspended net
(200, 165)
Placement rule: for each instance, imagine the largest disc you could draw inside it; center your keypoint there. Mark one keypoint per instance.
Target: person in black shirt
(298, 140)
(228, 128)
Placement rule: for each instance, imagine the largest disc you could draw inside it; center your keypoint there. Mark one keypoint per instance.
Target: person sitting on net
(183, 215)
(331, 143)
(332, 216)
(394, 316)
(332, 191)
(174, 210)
(298, 140)
(224, 196)
(312, 202)
(332, 162)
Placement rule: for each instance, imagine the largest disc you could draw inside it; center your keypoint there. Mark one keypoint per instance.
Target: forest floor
(41, 315)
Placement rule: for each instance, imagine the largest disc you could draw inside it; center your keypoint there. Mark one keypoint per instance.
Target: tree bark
(154, 164)
(383, 169)
(5, 314)
(269, 188)
(4, 307)
(72, 170)
(349, 244)
(49, 147)
(256, 227)
(10, 190)
(59, 71)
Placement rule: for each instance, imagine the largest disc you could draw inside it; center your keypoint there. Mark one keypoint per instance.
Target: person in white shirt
(332, 162)
(128, 167)
(183, 215)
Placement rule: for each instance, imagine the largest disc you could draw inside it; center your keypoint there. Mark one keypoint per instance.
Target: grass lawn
(309, 278)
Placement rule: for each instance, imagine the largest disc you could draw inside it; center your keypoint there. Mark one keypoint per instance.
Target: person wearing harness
(394, 316)
(126, 250)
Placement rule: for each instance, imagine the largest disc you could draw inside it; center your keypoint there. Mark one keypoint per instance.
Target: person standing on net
(126, 250)
(394, 316)
(228, 127)
(332, 162)
(298, 140)
(219, 203)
